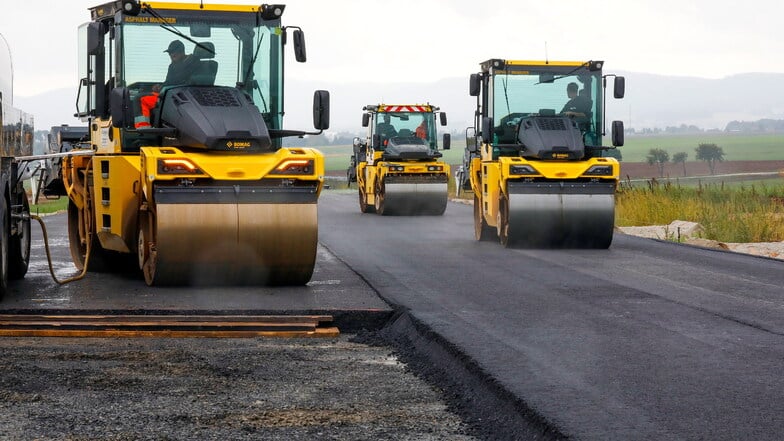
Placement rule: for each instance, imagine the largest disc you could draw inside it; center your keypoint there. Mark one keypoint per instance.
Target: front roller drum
(557, 215)
(229, 244)
(412, 198)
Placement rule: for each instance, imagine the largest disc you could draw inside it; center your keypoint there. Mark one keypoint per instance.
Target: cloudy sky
(426, 40)
(423, 41)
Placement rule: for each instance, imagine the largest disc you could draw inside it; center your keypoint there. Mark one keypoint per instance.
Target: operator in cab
(578, 105)
(182, 65)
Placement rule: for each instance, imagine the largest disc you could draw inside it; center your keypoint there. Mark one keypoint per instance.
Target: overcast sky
(426, 40)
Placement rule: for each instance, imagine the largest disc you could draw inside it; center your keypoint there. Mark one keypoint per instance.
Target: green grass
(46, 206)
(740, 147)
(727, 213)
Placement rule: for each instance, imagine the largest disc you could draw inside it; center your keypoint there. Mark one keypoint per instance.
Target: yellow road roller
(538, 170)
(398, 166)
(188, 178)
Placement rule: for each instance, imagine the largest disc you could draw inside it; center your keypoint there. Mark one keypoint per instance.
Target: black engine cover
(214, 118)
(550, 137)
(408, 147)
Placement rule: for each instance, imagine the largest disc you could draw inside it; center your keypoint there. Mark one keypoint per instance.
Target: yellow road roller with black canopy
(398, 166)
(188, 177)
(538, 170)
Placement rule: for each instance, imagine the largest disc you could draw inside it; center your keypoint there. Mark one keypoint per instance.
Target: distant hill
(651, 101)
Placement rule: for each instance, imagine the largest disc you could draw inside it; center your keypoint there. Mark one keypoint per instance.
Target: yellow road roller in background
(536, 167)
(188, 179)
(398, 167)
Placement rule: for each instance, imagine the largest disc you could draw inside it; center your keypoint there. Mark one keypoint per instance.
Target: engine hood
(214, 118)
(409, 148)
(550, 137)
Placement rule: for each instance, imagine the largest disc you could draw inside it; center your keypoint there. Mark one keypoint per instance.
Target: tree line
(706, 152)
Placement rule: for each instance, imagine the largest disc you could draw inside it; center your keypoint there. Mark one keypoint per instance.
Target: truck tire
(19, 245)
(4, 215)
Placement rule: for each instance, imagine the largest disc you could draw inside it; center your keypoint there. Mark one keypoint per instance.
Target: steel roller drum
(571, 215)
(415, 198)
(272, 244)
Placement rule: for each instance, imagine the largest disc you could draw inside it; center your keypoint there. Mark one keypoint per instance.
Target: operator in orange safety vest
(147, 102)
(421, 130)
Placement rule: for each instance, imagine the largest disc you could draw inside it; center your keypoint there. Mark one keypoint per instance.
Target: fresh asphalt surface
(646, 341)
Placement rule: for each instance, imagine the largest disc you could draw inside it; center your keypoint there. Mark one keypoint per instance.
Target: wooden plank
(219, 326)
(109, 333)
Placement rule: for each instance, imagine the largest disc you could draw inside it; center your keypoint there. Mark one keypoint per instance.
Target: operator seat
(205, 71)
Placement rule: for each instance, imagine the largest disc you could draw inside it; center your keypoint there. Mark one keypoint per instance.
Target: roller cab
(398, 166)
(537, 168)
(189, 181)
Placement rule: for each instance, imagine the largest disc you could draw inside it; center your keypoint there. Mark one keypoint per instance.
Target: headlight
(294, 167)
(435, 168)
(599, 170)
(177, 166)
(397, 168)
(522, 170)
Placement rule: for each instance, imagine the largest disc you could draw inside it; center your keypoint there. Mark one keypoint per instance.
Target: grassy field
(46, 206)
(736, 147)
(727, 213)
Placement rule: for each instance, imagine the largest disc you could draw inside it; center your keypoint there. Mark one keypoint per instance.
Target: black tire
(98, 259)
(379, 199)
(482, 231)
(364, 207)
(503, 222)
(19, 245)
(4, 239)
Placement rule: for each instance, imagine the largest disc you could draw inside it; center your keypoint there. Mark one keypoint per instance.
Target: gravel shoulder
(275, 389)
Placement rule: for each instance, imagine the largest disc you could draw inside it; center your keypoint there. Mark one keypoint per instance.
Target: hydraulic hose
(49, 255)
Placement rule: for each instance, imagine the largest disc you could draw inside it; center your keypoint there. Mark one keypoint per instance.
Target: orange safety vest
(147, 103)
(421, 131)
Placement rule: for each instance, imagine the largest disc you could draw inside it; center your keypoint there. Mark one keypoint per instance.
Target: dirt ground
(185, 389)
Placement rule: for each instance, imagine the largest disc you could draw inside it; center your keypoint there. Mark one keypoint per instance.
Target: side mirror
(471, 140)
(299, 46)
(442, 115)
(475, 85)
(132, 8)
(120, 108)
(95, 32)
(376, 141)
(365, 119)
(487, 130)
(617, 133)
(619, 87)
(447, 141)
(321, 110)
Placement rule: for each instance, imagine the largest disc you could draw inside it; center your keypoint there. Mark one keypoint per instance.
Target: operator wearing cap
(181, 65)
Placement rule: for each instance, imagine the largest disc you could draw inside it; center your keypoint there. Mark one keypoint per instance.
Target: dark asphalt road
(333, 290)
(644, 341)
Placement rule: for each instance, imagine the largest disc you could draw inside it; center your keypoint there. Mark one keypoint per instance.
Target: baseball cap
(176, 47)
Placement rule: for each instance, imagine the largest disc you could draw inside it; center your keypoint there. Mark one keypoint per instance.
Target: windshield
(530, 92)
(228, 43)
(408, 127)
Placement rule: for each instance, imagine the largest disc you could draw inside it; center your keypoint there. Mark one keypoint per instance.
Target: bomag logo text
(238, 144)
